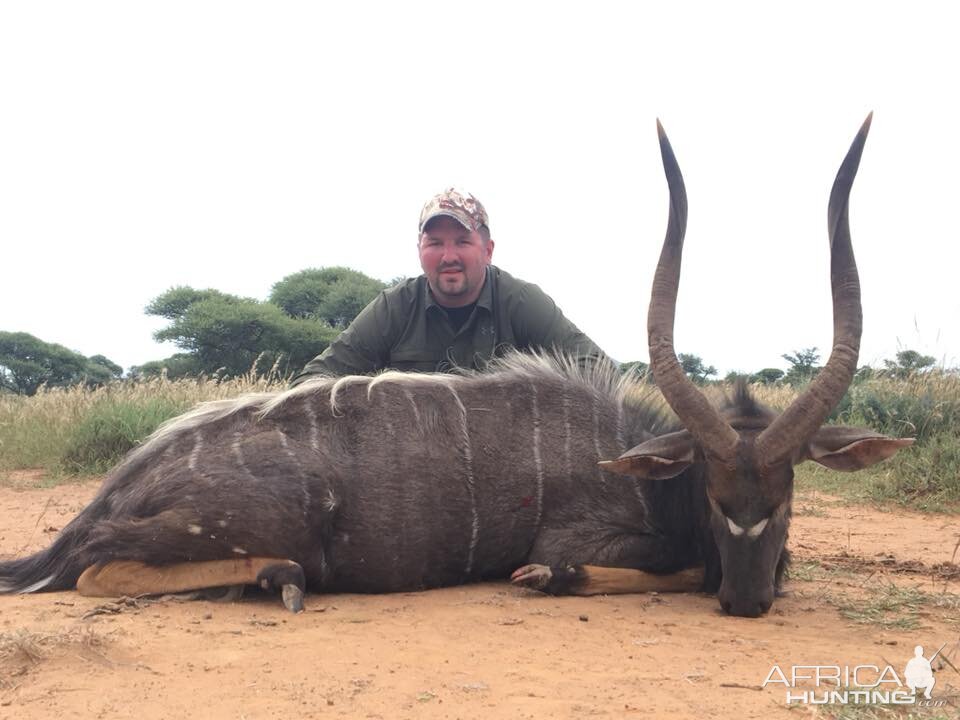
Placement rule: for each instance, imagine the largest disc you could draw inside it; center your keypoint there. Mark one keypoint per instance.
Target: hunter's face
(455, 260)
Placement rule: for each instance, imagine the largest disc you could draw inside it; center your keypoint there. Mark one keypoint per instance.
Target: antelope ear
(657, 459)
(850, 449)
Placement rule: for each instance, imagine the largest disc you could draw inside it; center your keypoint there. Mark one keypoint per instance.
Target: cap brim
(443, 213)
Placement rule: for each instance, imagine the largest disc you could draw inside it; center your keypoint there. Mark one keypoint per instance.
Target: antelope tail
(56, 567)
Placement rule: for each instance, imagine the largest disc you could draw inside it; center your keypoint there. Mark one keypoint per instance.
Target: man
(461, 312)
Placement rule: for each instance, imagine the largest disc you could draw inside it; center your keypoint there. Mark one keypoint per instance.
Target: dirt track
(473, 652)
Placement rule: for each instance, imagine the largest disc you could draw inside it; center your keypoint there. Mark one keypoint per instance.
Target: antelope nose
(747, 608)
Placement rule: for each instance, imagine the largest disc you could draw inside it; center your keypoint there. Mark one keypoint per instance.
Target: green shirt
(404, 328)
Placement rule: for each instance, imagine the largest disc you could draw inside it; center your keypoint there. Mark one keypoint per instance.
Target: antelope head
(749, 457)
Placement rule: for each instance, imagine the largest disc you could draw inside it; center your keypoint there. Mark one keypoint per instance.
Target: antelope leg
(129, 577)
(595, 580)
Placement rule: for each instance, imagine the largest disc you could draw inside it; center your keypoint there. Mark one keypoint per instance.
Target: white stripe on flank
(567, 433)
(408, 380)
(468, 462)
(237, 451)
(195, 453)
(296, 461)
(413, 404)
(167, 453)
(314, 428)
(621, 439)
(596, 438)
(536, 455)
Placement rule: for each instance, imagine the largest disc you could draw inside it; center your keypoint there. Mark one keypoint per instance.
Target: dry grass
(889, 605)
(40, 431)
(23, 648)
(81, 431)
(886, 712)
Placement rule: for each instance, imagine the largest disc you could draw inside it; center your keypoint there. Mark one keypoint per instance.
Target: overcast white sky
(227, 145)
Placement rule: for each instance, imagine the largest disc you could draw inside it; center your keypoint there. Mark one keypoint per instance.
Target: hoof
(292, 598)
(288, 578)
(537, 577)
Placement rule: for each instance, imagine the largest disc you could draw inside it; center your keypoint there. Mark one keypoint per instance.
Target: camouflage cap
(461, 206)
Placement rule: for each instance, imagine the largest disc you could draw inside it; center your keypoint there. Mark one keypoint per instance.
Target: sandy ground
(480, 651)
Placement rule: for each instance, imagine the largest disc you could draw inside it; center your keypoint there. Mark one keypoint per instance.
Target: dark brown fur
(376, 491)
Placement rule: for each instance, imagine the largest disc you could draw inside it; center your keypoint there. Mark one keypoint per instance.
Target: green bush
(109, 430)
(921, 407)
(77, 430)
(926, 477)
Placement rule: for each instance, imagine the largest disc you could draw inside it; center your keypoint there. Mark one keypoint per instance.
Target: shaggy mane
(604, 379)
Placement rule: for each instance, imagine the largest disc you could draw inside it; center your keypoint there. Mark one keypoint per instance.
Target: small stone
(584, 618)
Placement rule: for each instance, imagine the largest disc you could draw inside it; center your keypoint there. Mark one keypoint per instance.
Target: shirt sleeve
(539, 323)
(362, 348)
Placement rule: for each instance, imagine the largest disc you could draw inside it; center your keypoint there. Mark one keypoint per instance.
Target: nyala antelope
(565, 479)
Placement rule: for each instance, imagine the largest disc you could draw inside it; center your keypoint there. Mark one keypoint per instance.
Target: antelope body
(400, 482)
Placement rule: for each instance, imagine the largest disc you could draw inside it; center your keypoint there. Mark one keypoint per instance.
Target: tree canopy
(694, 366)
(222, 333)
(767, 376)
(178, 365)
(27, 362)
(908, 363)
(334, 295)
(803, 366)
(639, 368)
(227, 334)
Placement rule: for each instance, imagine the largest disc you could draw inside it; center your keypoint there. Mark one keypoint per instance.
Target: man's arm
(538, 322)
(361, 349)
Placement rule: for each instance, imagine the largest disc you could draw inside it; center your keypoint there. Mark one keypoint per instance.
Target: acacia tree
(907, 363)
(109, 368)
(226, 334)
(693, 366)
(334, 295)
(178, 365)
(222, 333)
(27, 362)
(803, 365)
(767, 376)
(638, 369)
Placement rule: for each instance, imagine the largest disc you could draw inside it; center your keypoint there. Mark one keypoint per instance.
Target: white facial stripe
(752, 532)
(735, 529)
